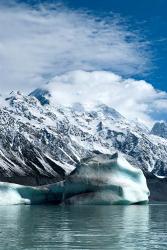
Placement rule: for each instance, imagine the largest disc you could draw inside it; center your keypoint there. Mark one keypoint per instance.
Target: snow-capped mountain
(160, 129)
(41, 142)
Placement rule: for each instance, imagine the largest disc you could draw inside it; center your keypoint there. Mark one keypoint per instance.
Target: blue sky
(108, 51)
(150, 17)
(147, 16)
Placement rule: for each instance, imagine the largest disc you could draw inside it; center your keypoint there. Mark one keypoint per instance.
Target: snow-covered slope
(40, 141)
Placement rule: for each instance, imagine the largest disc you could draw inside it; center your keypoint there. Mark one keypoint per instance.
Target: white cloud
(37, 43)
(133, 98)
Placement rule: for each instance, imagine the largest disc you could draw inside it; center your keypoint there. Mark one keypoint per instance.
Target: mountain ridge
(46, 142)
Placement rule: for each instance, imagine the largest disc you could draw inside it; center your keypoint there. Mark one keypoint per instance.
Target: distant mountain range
(41, 142)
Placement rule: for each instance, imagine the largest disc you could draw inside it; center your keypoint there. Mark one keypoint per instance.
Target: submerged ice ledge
(101, 179)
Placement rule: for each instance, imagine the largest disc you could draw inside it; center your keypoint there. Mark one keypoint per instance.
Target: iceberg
(101, 179)
(106, 179)
(15, 194)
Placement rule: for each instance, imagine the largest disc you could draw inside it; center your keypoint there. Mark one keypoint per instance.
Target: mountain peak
(160, 129)
(109, 111)
(42, 95)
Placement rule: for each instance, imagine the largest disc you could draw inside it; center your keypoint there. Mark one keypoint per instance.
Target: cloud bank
(36, 44)
(136, 100)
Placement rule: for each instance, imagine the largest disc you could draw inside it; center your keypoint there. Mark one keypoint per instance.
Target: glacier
(100, 179)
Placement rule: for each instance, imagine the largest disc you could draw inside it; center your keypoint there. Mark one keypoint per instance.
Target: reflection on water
(83, 227)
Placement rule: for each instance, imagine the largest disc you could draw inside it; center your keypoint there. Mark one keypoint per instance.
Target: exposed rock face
(157, 187)
(160, 129)
(102, 179)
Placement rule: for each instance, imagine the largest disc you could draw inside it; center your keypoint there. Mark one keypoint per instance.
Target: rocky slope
(42, 143)
(160, 129)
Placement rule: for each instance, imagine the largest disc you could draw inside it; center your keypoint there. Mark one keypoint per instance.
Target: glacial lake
(83, 227)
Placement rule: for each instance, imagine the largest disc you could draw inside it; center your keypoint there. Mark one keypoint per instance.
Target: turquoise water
(83, 227)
